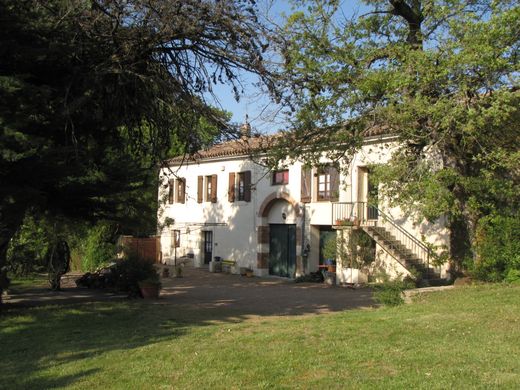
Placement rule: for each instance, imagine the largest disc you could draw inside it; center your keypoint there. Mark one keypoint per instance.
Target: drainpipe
(303, 250)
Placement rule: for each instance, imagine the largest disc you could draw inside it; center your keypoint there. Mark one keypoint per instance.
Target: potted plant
(136, 276)
(150, 286)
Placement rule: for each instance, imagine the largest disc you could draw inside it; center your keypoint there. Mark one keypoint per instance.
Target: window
(280, 177)
(328, 183)
(176, 238)
(171, 186)
(207, 189)
(241, 185)
(181, 190)
(241, 188)
(211, 189)
(176, 190)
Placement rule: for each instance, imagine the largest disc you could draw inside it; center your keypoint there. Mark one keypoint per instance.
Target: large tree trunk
(462, 226)
(460, 243)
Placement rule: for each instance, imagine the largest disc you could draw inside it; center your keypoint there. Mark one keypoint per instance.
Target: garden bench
(227, 265)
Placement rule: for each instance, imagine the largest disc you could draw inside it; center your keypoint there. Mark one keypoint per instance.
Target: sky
(263, 115)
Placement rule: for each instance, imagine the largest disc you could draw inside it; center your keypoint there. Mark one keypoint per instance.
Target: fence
(147, 248)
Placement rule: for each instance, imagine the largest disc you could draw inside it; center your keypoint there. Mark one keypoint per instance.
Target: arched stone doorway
(279, 236)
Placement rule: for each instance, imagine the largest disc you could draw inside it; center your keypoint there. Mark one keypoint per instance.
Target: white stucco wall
(235, 224)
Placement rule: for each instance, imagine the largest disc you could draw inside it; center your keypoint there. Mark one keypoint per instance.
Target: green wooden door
(282, 250)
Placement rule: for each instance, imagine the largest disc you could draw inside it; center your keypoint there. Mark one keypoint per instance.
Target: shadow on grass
(35, 342)
(70, 334)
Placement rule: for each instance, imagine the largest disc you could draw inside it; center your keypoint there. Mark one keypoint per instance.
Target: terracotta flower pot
(150, 291)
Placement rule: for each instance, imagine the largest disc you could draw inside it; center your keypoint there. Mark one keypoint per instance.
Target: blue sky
(263, 115)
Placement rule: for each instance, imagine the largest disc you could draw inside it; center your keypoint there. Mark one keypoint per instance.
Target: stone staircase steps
(399, 251)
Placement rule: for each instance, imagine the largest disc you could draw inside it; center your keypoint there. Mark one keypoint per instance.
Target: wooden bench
(227, 265)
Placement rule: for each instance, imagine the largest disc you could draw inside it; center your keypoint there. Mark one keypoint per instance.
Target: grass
(29, 281)
(462, 338)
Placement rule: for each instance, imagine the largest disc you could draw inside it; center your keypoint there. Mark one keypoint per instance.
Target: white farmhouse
(223, 203)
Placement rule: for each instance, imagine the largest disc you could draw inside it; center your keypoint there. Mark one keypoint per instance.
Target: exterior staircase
(410, 252)
(407, 258)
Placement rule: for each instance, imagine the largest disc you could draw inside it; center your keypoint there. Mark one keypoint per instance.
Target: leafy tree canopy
(94, 92)
(440, 75)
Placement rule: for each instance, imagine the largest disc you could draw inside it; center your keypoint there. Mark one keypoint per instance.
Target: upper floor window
(280, 177)
(171, 189)
(239, 186)
(176, 190)
(181, 190)
(207, 189)
(328, 183)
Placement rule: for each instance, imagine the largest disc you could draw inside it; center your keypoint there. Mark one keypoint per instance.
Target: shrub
(100, 248)
(123, 275)
(390, 293)
(513, 276)
(132, 270)
(498, 248)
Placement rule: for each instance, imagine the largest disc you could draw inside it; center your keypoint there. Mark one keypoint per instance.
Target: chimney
(245, 129)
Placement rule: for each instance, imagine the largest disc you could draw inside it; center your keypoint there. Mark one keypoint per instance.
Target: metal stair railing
(371, 216)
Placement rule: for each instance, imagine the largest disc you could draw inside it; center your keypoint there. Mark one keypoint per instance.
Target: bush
(100, 248)
(124, 275)
(132, 270)
(390, 293)
(498, 248)
(513, 276)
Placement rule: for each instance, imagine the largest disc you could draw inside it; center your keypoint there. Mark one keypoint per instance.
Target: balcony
(354, 214)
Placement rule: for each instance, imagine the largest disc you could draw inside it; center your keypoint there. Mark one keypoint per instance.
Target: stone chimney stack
(245, 130)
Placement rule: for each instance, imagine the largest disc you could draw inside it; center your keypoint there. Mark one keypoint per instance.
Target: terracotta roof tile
(246, 146)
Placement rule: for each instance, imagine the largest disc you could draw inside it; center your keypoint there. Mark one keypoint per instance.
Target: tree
(440, 75)
(94, 92)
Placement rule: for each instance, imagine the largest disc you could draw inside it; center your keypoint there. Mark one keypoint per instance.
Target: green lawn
(463, 338)
(33, 280)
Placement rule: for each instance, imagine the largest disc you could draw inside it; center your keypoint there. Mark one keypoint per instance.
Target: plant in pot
(150, 286)
(134, 273)
(330, 253)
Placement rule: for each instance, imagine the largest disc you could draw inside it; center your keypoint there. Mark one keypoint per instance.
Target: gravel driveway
(218, 294)
(259, 296)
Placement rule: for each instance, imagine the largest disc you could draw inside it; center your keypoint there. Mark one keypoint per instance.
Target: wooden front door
(282, 250)
(208, 246)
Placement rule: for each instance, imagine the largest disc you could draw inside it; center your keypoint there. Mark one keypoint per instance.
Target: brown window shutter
(334, 183)
(181, 190)
(200, 185)
(305, 195)
(213, 188)
(171, 186)
(247, 186)
(231, 187)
